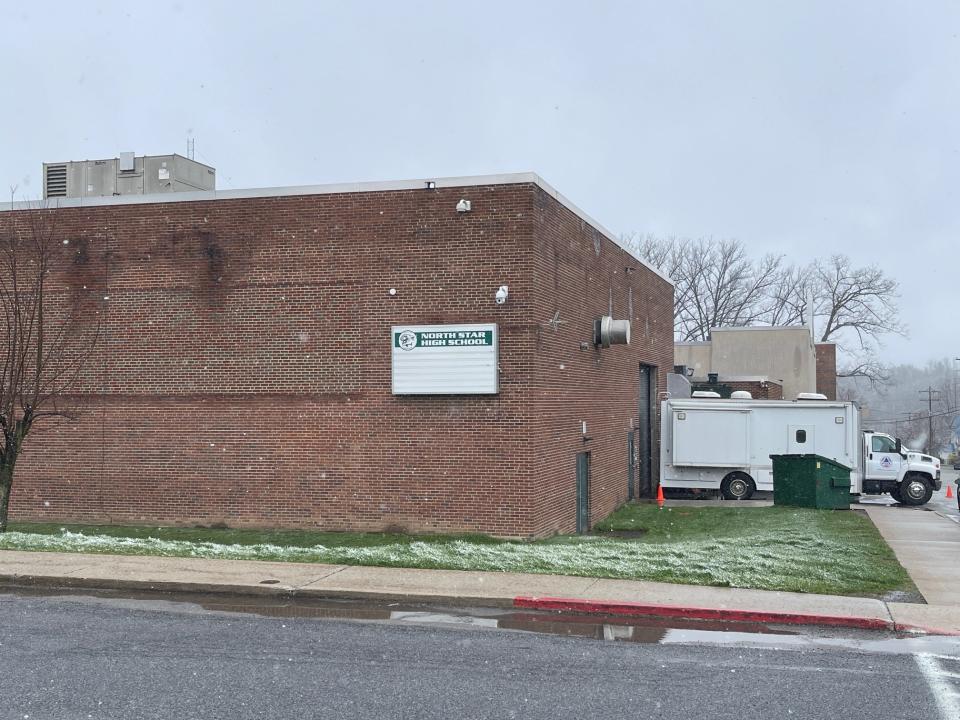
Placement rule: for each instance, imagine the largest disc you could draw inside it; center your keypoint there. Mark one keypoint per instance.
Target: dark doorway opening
(645, 429)
(583, 492)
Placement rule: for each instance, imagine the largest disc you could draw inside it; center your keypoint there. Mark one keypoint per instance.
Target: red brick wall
(760, 390)
(578, 273)
(827, 369)
(243, 376)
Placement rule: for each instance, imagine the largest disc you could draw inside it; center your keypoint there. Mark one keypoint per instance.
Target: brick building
(760, 387)
(827, 369)
(243, 375)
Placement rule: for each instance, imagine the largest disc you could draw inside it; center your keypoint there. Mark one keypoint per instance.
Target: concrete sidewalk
(927, 544)
(574, 594)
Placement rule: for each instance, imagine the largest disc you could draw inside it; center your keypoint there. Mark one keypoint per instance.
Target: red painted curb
(601, 607)
(921, 629)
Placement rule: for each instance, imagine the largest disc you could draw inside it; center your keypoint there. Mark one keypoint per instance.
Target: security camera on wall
(502, 295)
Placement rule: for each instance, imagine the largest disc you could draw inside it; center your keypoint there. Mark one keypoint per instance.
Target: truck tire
(915, 490)
(737, 486)
(895, 494)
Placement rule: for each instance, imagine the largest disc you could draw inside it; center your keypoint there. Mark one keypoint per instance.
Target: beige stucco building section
(784, 354)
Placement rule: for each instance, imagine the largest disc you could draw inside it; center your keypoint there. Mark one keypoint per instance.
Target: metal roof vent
(55, 181)
(741, 395)
(811, 396)
(705, 394)
(127, 162)
(607, 332)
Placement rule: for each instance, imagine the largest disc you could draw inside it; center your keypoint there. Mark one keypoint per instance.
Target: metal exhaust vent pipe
(607, 332)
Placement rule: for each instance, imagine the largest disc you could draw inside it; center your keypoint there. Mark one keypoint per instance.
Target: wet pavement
(612, 628)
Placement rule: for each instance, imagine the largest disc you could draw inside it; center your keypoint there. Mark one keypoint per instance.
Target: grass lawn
(771, 548)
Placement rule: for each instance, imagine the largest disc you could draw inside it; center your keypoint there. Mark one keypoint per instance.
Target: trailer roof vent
(811, 396)
(740, 395)
(705, 394)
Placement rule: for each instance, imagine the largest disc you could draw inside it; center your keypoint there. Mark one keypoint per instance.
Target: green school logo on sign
(408, 339)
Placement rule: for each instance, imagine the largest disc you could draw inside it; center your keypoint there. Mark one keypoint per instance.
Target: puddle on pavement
(666, 631)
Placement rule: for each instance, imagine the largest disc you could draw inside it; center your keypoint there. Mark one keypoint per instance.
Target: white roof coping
(332, 189)
(761, 328)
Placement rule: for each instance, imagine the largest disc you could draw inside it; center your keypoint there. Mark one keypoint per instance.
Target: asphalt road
(80, 658)
(939, 502)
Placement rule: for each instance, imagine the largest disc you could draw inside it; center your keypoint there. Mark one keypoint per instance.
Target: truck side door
(883, 461)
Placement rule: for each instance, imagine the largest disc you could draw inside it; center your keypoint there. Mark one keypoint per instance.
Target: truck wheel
(895, 494)
(737, 486)
(914, 490)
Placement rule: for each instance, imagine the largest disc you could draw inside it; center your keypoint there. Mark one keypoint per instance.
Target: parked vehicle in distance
(725, 445)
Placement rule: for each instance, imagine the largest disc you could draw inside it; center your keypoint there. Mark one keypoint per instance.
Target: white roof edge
(737, 328)
(332, 189)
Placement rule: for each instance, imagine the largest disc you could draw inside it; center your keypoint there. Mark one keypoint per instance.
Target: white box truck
(725, 445)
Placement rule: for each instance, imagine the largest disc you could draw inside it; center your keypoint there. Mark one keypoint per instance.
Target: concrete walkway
(467, 588)
(927, 544)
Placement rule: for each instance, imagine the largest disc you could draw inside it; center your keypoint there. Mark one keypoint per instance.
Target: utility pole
(930, 393)
(956, 369)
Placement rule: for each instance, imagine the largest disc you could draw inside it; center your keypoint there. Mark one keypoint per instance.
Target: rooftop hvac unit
(127, 174)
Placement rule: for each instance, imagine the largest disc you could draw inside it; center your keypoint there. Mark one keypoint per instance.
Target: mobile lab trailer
(726, 445)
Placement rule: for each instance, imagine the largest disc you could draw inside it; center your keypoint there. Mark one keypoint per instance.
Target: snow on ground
(797, 561)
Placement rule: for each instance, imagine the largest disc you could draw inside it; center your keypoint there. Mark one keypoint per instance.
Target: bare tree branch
(50, 327)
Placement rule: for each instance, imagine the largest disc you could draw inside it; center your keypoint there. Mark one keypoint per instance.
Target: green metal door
(631, 463)
(583, 492)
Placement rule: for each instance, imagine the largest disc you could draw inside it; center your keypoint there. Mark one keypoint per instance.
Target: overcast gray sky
(803, 128)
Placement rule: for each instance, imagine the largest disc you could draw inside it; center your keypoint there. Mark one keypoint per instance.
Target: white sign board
(444, 359)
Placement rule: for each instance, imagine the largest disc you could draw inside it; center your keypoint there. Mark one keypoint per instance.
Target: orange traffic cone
(949, 491)
(660, 496)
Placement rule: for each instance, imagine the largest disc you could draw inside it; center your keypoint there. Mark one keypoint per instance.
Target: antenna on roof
(191, 148)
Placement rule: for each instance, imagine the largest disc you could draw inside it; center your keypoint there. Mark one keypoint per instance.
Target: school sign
(444, 359)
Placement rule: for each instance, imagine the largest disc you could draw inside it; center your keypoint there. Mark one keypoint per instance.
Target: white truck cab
(910, 477)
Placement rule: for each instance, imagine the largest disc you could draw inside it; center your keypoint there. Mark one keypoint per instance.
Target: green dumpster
(810, 481)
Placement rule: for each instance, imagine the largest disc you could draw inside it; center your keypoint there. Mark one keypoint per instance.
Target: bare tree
(716, 283)
(50, 321)
(856, 302)
(866, 367)
(786, 303)
(852, 306)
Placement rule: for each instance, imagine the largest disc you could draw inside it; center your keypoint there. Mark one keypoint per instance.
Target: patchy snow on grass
(801, 561)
